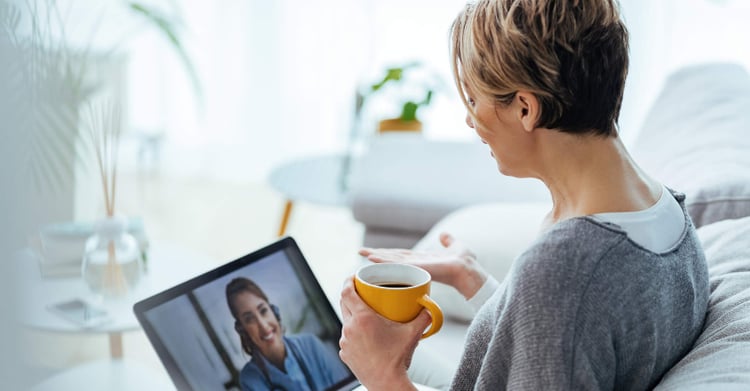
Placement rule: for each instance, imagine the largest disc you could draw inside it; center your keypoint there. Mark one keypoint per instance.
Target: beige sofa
(696, 139)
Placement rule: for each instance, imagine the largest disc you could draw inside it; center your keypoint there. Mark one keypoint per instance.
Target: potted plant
(412, 86)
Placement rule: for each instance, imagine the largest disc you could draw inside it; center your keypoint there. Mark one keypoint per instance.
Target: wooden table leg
(115, 345)
(285, 217)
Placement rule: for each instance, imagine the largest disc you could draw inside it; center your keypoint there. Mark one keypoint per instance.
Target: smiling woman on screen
(297, 362)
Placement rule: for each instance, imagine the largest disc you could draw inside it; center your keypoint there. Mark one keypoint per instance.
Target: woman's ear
(528, 110)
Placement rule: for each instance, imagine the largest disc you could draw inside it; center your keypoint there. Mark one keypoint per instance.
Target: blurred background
(277, 79)
(216, 95)
(229, 90)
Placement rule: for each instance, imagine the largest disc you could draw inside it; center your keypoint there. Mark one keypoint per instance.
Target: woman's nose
(263, 323)
(469, 121)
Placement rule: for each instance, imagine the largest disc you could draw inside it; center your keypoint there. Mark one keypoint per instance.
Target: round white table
(168, 265)
(317, 179)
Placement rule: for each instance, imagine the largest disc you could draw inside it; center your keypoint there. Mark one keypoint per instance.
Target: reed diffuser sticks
(105, 129)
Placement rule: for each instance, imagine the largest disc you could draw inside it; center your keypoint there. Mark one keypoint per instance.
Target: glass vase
(112, 260)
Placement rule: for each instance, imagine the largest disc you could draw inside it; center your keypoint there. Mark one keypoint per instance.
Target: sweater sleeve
(541, 337)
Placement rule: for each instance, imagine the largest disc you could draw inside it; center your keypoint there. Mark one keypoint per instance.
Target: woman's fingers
(364, 251)
(422, 320)
(447, 265)
(384, 255)
(399, 254)
(346, 313)
(384, 251)
(446, 239)
(350, 301)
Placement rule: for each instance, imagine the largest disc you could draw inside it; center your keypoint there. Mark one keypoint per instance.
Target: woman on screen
(296, 362)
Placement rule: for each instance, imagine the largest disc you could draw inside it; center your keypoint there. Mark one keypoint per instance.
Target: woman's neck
(591, 174)
(277, 359)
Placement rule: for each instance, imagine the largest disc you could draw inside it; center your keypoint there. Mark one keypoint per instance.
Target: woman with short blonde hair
(614, 290)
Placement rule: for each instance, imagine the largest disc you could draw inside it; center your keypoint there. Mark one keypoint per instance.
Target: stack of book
(61, 246)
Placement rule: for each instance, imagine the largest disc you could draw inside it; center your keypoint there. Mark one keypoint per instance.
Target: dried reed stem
(105, 130)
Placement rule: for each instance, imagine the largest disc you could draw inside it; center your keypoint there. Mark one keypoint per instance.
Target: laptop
(233, 327)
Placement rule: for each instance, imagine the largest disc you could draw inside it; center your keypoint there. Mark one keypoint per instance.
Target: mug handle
(435, 312)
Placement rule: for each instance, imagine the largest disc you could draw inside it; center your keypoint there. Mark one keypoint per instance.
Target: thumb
(446, 239)
(422, 320)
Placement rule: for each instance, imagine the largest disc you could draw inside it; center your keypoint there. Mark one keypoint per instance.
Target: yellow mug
(398, 292)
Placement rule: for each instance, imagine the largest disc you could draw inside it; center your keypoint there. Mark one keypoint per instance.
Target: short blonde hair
(571, 54)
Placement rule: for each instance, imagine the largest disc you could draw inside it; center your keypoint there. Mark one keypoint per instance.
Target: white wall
(668, 34)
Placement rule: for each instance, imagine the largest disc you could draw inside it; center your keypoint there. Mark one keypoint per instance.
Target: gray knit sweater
(586, 308)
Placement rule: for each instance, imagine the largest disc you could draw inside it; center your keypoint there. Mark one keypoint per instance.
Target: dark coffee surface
(393, 285)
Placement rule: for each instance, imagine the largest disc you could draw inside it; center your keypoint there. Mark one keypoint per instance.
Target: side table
(318, 179)
(168, 265)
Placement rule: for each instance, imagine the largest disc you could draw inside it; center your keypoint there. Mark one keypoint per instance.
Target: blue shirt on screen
(310, 366)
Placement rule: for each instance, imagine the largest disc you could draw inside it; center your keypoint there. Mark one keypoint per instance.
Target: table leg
(285, 217)
(115, 345)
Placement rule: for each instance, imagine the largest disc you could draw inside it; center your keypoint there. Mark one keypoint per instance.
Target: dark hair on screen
(233, 289)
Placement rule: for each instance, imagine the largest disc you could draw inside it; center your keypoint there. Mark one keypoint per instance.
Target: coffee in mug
(398, 292)
(394, 285)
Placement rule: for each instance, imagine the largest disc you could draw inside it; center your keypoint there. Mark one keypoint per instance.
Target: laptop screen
(261, 322)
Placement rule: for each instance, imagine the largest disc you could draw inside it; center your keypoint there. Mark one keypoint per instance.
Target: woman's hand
(454, 265)
(376, 349)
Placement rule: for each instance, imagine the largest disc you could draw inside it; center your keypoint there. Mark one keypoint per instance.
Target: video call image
(261, 327)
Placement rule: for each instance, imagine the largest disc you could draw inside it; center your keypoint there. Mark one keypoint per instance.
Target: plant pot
(397, 125)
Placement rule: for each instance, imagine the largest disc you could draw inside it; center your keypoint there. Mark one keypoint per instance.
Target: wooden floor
(222, 221)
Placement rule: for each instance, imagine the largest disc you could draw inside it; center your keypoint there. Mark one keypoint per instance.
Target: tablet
(261, 322)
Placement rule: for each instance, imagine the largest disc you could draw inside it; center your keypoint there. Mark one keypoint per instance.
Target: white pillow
(496, 233)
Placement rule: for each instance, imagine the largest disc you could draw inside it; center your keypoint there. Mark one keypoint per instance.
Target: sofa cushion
(720, 358)
(406, 183)
(696, 139)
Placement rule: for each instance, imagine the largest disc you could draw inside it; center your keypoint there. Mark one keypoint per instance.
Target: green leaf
(409, 112)
(427, 99)
(423, 84)
(391, 74)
